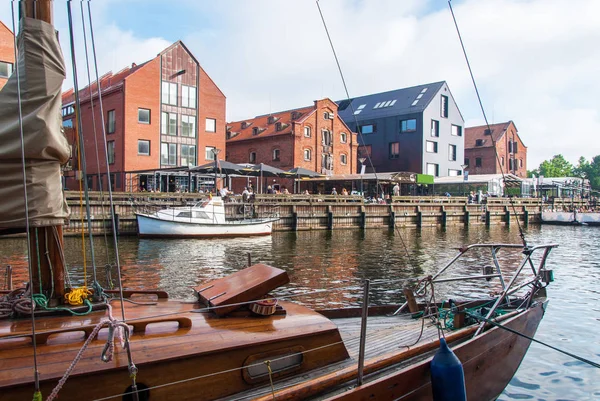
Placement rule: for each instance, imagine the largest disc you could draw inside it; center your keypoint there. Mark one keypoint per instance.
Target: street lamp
(362, 169)
(216, 153)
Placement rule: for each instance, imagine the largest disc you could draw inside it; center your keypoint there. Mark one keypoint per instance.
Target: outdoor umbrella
(300, 172)
(269, 171)
(222, 167)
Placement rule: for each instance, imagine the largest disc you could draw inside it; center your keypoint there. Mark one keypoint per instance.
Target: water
(331, 265)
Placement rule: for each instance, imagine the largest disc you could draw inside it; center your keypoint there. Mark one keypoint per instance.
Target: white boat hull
(569, 218)
(150, 226)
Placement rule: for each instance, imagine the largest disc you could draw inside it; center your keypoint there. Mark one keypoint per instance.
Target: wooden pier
(316, 212)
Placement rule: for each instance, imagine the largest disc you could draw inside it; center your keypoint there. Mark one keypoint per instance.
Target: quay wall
(315, 212)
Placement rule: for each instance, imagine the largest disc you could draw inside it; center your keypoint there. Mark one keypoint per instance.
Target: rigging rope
(27, 227)
(521, 233)
(579, 358)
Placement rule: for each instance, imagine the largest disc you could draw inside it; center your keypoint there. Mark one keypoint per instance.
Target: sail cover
(41, 72)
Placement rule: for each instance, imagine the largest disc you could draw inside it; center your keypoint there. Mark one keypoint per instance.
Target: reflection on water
(338, 262)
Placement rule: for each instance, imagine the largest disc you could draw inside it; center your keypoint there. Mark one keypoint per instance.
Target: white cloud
(534, 60)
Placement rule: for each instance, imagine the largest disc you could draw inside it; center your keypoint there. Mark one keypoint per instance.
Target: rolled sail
(41, 73)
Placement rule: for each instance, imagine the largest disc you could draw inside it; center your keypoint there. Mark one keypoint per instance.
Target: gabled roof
(472, 134)
(395, 102)
(265, 128)
(2, 24)
(108, 82)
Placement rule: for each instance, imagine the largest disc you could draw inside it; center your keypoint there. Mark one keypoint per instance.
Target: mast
(46, 251)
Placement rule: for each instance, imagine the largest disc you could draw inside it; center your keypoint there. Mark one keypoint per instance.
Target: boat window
(279, 364)
(201, 215)
(185, 214)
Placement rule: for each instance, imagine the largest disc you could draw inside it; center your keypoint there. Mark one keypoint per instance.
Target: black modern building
(417, 129)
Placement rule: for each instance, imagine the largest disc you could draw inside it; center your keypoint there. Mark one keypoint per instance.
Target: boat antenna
(358, 130)
(36, 373)
(521, 233)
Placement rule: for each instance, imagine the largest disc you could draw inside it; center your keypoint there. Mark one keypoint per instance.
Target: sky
(535, 61)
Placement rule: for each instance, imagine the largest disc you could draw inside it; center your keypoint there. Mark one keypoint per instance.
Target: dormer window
(278, 126)
(479, 142)
(271, 120)
(295, 115)
(245, 124)
(487, 131)
(255, 131)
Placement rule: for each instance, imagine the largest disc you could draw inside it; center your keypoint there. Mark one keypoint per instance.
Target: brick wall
(142, 90)
(211, 105)
(7, 48)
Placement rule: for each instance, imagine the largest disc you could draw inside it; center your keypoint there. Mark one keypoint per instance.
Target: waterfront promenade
(317, 212)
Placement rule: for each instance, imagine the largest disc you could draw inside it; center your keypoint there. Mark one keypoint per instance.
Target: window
(433, 169)
(307, 132)
(188, 96)
(502, 161)
(327, 161)
(110, 149)
(514, 147)
(168, 123)
(143, 147)
(143, 116)
(467, 161)
(456, 130)
(208, 153)
(478, 162)
(367, 129)
(68, 110)
(343, 137)
(431, 147)
(68, 123)
(453, 173)
(5, 69)
(394, 150)
(188, 155)
(278, 126)
(435, 128)
(510, 148)
(326, 138)
(520, 163)
(169, 93)
(479, 142)
(112, 123)
(211, 125)
(307, 155)
(276, 154)
(444, 106)
(188, 126)
(168, 154)
(408, 125)
(510, 164)
(364, 151)
(343, 159)
(255, 131)
(252, 158)
(452, 153)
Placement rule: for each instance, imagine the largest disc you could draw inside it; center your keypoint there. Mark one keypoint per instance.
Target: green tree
(558, 166)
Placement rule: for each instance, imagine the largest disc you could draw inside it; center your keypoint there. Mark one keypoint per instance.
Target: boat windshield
(202, 204)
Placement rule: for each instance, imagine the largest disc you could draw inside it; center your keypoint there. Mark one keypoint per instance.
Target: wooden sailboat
(233, 343)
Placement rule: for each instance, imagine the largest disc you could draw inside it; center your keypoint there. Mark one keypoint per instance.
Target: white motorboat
(204, 219)
(571, 218)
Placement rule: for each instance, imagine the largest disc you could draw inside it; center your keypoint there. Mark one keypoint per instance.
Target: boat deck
(384, 334)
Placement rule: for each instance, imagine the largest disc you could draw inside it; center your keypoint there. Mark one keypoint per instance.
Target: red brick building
(480, 155)
(312, 137)
(7, 53)
(166, 112)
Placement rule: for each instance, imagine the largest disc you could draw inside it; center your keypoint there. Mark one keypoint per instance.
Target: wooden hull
(163, 353)
(489, 361)
(150, 226)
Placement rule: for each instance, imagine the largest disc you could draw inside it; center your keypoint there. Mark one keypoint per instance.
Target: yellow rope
(81, 206)
(77, 295)
(268, 363)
